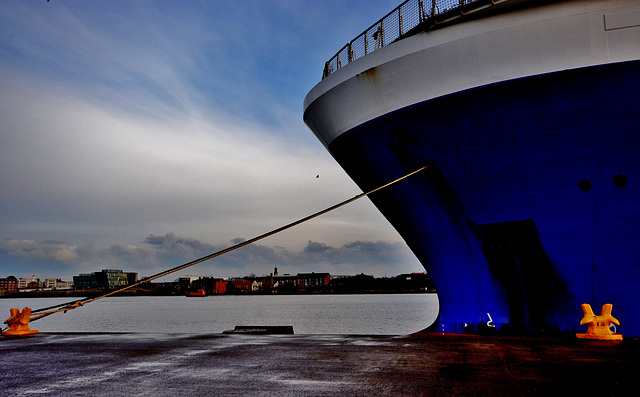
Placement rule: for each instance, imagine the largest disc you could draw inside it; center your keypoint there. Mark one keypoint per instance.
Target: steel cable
(63, 307)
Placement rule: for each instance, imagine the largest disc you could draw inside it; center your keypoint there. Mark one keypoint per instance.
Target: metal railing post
(366, 43)
(380, 43)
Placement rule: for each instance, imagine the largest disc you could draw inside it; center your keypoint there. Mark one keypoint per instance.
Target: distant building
(220, 287)
(310, 280)
(263, 283)
(107, 278)
(56, 283)
(359, 282)
(29, 283)
(209, 284)
(286, 281)
(111, 278)
(241, 285)
(301, 281)
(8, 285)
(83, 281)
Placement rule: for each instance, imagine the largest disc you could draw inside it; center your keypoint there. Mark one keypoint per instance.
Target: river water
(371, 314)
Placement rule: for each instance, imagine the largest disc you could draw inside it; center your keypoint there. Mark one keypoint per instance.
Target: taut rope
(40, 313)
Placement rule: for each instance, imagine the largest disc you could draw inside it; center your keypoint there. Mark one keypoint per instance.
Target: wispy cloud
(120, 120)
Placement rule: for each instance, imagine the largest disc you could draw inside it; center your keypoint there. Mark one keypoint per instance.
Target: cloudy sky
(142, 135)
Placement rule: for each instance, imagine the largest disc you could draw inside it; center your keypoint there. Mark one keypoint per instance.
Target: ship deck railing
(408, 18)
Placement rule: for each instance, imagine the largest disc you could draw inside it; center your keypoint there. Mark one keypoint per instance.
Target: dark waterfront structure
(106, 279)
(310, 283)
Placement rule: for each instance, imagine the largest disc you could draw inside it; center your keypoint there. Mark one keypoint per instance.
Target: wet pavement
(67, 364)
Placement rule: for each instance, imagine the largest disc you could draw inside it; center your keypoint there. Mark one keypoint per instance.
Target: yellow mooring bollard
(19, 323)
(598, 325)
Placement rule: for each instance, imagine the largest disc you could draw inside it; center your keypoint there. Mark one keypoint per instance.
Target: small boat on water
(199, 292)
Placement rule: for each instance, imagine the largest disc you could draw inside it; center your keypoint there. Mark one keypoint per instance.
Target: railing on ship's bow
(402, 21)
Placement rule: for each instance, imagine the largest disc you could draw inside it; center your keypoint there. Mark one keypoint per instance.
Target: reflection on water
(393, 314)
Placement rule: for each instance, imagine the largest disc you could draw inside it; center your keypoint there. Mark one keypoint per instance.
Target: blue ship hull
(526, 113)
(530, 206)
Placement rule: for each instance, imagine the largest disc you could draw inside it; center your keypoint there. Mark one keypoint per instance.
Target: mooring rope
(63, 307)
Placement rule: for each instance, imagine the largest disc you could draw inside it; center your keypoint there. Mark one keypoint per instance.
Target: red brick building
(241, 285)
(8, 285)
(220, 287)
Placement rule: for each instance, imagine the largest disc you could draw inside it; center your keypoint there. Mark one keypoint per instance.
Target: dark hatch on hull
(519, 262)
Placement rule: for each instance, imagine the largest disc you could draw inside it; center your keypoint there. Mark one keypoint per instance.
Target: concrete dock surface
(426, 364)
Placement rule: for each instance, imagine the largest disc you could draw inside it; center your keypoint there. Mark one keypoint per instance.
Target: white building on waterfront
(25, 283)
(54, 283)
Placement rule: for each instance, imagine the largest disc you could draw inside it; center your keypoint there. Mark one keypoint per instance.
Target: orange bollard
(598, 325)
(19, 323)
